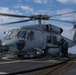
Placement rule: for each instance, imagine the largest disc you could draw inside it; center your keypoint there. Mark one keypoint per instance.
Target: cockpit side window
(22, 34)
(30, 36)
(48, 39)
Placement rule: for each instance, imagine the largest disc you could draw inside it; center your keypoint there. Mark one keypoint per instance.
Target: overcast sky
(33, 7)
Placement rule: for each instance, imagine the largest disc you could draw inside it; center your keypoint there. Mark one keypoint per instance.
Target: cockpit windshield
(10, 34)
(22, 34)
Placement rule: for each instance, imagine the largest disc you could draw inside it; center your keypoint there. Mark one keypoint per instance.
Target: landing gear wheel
(46, 53)
(20, 56)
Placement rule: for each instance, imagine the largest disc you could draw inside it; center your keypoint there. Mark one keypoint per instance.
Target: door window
(54, 38)
(30, 36)
(22, 34)
(48, 39)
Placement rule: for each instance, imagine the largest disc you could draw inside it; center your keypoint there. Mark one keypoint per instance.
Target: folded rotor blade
(13, 15)
(64, 13)
(16, 22)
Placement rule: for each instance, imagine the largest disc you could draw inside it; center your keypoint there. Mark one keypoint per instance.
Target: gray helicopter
(34, 39)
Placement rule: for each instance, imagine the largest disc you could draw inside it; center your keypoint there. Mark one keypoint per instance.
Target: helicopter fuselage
(33, 39)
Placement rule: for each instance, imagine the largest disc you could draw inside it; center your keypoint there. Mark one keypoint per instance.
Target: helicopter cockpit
(15, 33)
(11, 34)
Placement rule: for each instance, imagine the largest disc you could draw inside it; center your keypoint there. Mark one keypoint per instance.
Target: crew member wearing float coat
(64, 48)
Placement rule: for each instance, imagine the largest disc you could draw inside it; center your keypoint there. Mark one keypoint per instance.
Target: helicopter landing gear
(20, 56)
(46, 53)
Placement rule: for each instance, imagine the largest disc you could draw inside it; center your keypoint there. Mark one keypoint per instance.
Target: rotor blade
(13, 15)
(63, 21)
(16, 22)
(64, 13)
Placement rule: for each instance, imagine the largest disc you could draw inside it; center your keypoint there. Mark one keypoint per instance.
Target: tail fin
(70, 42)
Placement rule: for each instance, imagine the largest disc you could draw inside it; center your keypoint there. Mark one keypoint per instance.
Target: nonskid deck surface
(71, 70)
(22, 64)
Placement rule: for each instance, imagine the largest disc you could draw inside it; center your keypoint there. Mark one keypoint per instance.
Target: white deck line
(18, 61)
(2, 73)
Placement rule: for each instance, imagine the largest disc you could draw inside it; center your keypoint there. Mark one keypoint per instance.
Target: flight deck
(8, 66)
(27, 66)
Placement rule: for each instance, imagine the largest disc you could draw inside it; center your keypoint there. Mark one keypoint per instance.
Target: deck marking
(18, 61)
(5, 58)
(3, 73)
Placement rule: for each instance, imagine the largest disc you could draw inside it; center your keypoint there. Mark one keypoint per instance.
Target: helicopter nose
(20, 44)
(4, 49)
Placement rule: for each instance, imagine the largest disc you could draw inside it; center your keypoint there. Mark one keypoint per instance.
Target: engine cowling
(53, 29)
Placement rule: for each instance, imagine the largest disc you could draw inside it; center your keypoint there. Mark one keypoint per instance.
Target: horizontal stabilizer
(70, 42)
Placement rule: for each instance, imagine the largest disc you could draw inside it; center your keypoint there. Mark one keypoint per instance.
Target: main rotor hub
(40, 17)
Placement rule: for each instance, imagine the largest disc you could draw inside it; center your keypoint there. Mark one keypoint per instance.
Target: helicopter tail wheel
(46, 53)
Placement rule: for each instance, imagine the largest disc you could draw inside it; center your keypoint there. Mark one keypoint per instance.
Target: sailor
(64, 48)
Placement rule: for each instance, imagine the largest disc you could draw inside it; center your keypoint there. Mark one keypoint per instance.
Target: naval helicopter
(34, 39)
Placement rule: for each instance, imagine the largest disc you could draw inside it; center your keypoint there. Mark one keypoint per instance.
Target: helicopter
(34, 39)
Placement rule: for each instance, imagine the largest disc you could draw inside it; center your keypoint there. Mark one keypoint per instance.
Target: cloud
(8, 11)
(41, 1)
(43, 12)
(38, 1)
(27, 9)
(2, 29)
(67, 1)
(4, 19)
(47, 2)
(30, 10)
(63, 11)
(20, 0)
(66, 17)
